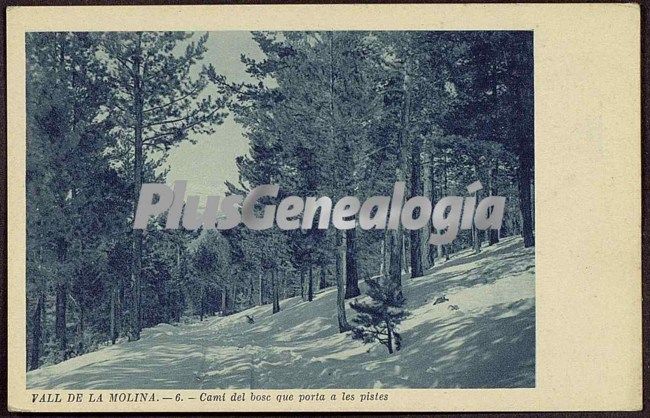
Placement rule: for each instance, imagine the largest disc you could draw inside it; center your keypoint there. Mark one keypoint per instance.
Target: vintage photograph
(191, 295)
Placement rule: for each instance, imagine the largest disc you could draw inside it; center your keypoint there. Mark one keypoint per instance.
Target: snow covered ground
(489, 341)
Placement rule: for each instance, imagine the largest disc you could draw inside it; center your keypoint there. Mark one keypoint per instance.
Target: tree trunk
(259, 290)
(119, 314)
(212, 303)
(176, 292)
(446, 249)
(395, 248)
(223, 302)
(231, 299)
(341, 250)
(303, 295)
(250, 291)
(323, 277)
(282, 283)
(525, 199)
(60, 322)
(114, 316)
(111, 329)
(417, 269)
(493, 233)
(310, 289)
(532, 202)
(476, 237)
(37, 331)
(406, 261)
(384, 259)
(138, 164)
(351, 265)
(429, 190)
(340, 280)
(275, 290)
(80, 331)
(395, 258)
(389, 331)
(202, 302)
(396, 236)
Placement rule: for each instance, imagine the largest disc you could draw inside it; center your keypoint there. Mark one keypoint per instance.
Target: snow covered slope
(489, 341)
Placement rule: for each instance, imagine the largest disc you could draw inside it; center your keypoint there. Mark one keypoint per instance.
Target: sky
(207, 164)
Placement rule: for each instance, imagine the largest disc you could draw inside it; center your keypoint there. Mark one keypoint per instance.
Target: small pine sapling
(378, 318)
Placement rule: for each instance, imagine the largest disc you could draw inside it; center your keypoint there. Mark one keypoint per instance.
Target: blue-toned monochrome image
(280, 210)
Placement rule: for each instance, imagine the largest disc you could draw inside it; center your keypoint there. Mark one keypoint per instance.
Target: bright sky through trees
(207, 164)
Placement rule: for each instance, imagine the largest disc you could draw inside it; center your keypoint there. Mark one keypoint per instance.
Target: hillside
(489, 341)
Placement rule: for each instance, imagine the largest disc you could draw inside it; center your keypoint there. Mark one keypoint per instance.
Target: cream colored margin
(588, 211)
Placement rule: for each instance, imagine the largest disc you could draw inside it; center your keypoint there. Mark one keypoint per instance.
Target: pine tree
(66, 135)
(493, 80)
(157, 103)
(379, 318)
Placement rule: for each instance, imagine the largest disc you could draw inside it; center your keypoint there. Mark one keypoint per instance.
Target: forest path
(489, 341)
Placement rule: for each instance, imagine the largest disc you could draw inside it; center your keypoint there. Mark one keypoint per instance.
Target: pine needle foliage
(378, 318)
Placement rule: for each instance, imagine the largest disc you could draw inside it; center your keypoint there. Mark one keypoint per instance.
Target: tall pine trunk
(417, 268)
(395, 258)
(384, 257)
(257, 289)
(493, 233)
(429, 190)
(323, 277)
(476, 239)
(202, 302)
(406, 259)
(476, 235)
(340, 280)
(389, 332)
(341, 250)
(37, 332)
(61, 245)
(232, 308)
(310, 287)
(275, 291)
(80, 330)
(223, 302)
(60, 320)
(396, 236)
(525, 198)
(351, 265)
(138, 163)
(115, 321)
(445, 249)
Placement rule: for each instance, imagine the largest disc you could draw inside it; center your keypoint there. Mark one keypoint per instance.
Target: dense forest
(328, 114)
